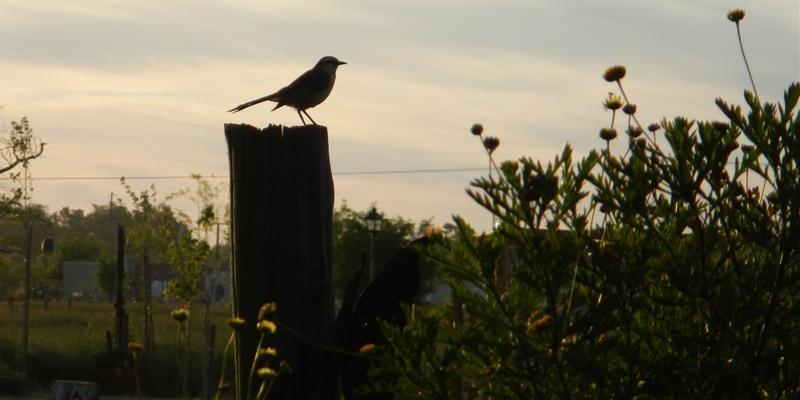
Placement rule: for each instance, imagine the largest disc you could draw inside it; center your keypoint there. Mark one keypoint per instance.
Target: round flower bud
(608, 134)
(614, 73)
(629, 109)
(477, 129)
(634, 131)
(736, 15)
(653, 127)
(491, 143)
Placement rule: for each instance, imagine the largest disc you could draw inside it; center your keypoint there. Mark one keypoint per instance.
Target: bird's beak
(342, 63)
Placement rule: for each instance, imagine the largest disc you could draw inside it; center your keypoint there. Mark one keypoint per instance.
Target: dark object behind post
(281, 243)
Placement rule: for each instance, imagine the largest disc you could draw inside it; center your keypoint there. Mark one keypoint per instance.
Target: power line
(213, 176)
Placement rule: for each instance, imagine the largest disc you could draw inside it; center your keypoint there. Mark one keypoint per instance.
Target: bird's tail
(241, 107)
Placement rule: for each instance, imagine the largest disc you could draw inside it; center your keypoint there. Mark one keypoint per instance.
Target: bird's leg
(309, 117)
(301, 118)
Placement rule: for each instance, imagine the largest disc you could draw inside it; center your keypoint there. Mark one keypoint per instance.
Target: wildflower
(629, 109)
(266, 325)
(720, 126)
(653, 127)
(614, 73)
(736, 15)
(477, 129)
(433, 231)
(634, 131)
(237, 323)
(613, 102)
(267, 352)
(180, 314)
(608, 134)
(367, 348)
(266, 310)
(135, 348)
(266, 373)
(491, 143)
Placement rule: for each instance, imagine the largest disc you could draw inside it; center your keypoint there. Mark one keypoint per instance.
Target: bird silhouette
(307, 91)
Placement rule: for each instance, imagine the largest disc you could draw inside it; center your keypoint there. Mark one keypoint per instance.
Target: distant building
(79, 280)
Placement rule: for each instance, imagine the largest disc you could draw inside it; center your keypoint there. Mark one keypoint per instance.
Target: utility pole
(26, 308)
(120, 317)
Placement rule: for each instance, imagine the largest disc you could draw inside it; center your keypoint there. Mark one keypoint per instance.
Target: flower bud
(614, 73)
(491, 143)
(608, 134)
(477, 129)
(736, 15)
(629, 109)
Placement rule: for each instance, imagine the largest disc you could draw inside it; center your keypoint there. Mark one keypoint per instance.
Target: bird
(307, 91)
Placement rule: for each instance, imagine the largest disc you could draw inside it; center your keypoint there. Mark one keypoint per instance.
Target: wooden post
(281, 244)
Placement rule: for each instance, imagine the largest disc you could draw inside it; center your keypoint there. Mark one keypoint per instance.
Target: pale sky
(140, 88)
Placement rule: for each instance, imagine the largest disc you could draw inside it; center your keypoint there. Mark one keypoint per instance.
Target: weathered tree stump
(281, 242)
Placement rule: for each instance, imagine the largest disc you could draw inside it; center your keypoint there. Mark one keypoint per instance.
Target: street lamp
(373, 220)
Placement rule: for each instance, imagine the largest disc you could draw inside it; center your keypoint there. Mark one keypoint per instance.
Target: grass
(68, 342)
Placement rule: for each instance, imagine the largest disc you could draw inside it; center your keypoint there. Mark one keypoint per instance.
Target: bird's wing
(241, 107)
(311, 82)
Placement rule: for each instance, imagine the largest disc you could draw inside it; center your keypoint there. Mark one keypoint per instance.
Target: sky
(141, 88)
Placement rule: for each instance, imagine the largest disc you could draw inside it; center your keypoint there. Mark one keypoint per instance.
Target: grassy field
(68, 342)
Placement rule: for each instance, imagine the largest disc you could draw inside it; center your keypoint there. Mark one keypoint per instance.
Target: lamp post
(47, 247)
(373, 220)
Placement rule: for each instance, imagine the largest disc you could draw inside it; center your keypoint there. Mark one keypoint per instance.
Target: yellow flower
(613, 102)
(367, 348)
(135, 348)
(180, 314)
(237, 323)
(266, 325)
(266, 373)
(267, 352)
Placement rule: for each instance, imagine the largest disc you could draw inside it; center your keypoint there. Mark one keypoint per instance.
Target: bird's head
(329, 63)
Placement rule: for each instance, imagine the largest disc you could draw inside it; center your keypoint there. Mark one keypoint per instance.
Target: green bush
(669, 271)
